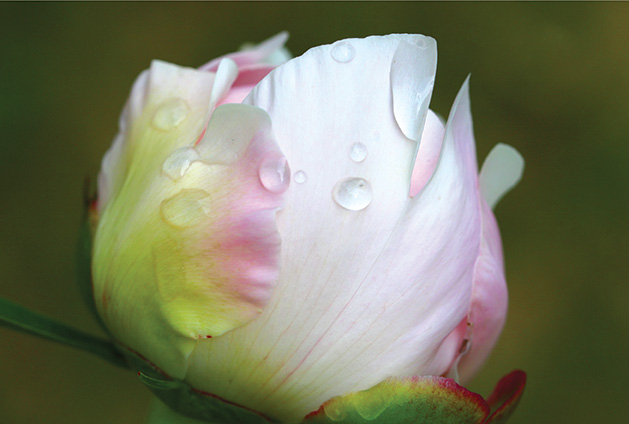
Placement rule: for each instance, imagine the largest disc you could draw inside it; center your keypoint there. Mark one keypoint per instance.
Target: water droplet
(343, 52)
(275, 174)
(300, 177)
(421, 42)
(185, 208)
(358, 152)
(170, 114)
(176, 165)
(352, 193)
(334, 412)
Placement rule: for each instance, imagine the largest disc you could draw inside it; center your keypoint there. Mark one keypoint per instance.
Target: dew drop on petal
(275, 174)
(176, 165)
(353, 194)
(343, 52)
(170, 114)
(184, 209)
(333, 412)
(300, 177)
(358, 152)
(421, 42)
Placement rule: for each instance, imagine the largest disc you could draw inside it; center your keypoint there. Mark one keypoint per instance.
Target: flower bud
(380, 258)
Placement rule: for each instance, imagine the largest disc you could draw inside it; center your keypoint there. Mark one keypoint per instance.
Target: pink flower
(380, 258)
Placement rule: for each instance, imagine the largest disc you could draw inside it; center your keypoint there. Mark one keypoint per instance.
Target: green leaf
(17, 317)
(429, 400)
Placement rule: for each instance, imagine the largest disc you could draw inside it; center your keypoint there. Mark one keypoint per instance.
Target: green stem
(18, 317)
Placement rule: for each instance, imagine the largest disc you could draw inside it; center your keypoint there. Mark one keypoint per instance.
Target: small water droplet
(334, 413)
(176, 165)
(275, 174)
(170, 114)
(300, 177)
(184, 209)
(353, 194)
(421, 42)
(358, 152)
(342, 52)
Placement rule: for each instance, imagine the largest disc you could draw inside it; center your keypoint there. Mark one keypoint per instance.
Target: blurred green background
(550, 79)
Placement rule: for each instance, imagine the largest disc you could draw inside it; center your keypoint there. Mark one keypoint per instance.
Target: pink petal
(488, 307)
(253, 56)
(428, 153)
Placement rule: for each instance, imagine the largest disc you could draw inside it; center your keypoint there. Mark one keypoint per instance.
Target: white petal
(412, 79)
(225, 76)
(501, 171)
(363, 294)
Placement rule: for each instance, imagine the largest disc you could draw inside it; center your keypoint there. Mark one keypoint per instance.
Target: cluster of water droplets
(353, 193)
(184, 209)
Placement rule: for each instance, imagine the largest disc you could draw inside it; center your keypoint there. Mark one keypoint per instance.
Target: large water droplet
(342, 52)
(352, 193)
(275, 174)
(176, 165)
(170, 114)
(358, 152)
(300, 177)
(184, 209)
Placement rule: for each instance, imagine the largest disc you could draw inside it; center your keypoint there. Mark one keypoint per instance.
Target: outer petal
(247, 79)
(428, 153)
(363, 294)
(265, 52)
(501, 170)
(186, 244)
(488, 308)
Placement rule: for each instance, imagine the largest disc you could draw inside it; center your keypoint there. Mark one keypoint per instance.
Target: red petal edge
(506, 396)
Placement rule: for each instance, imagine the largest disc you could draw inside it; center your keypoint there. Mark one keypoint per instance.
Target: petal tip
(501, 171)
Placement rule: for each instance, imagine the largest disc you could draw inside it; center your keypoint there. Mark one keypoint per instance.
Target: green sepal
(426, 400)
(399, 401)
(506, 396)
(18, 317)
(191, 402)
